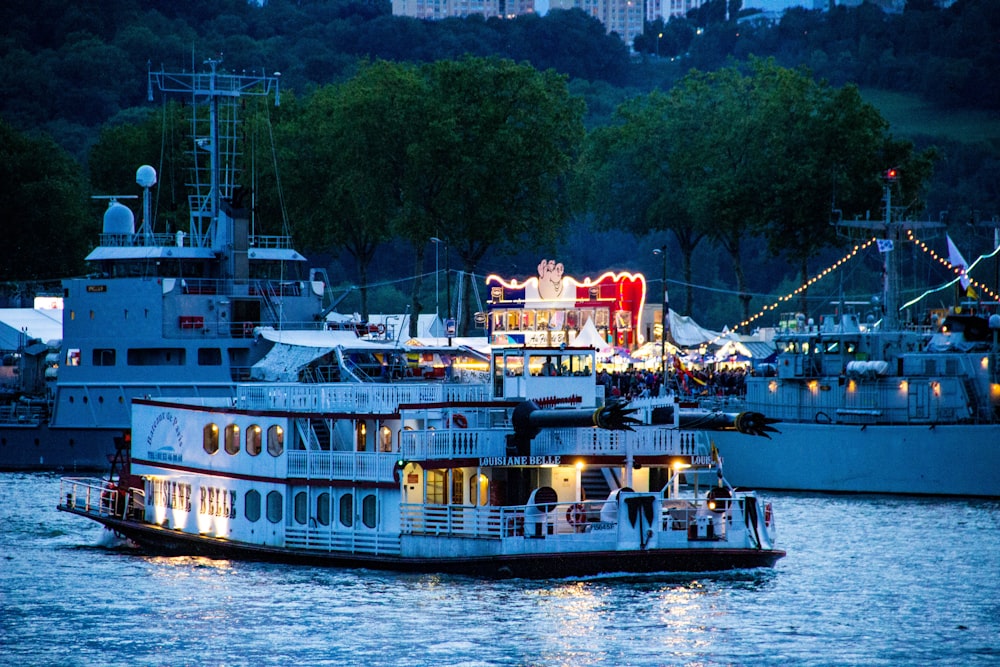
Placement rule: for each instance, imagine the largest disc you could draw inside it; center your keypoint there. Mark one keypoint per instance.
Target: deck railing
(98, 496)
(359, 398)
(353, 466)
(650, 441)
(452, 443)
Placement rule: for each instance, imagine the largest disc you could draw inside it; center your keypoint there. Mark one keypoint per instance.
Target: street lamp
(437, 273)
(447, 282)
(658, 38)
(664, 319)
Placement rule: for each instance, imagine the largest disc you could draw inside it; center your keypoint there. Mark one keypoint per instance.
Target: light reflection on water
(867, 580)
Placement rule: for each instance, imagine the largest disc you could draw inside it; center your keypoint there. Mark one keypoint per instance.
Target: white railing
(648, 441)
(357, 398)
(352, 542)
(452, 443)
(352, 466)
(98, 496)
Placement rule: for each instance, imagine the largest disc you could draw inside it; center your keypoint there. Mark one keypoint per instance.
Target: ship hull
(163, 541)
(42, 447)
(939, 460)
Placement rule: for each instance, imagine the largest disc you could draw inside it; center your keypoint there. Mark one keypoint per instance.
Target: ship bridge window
(369, 506)
(210, 438)
(209, 356)
(253, 440)
(251, 505)
(232, 439)
(104, 357)
(156, 356)
(275, 440)
(274, 509)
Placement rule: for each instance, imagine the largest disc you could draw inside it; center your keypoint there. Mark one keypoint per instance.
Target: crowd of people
(638, 383)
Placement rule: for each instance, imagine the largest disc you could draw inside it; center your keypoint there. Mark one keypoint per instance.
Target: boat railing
(93, 495)
(26, 414)
(452, 443)
(650, 441)
(353, 466)
(353, 542)
(678, 519)
(359, 398)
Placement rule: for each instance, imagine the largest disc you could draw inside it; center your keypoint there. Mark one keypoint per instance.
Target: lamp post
(664, 318)
(437, 273)
(659, 36)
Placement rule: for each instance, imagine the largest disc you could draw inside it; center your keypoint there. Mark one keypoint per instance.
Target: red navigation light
(891, 174)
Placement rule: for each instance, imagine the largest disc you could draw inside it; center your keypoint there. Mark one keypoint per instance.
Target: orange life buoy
(576, 514)
(459, 420)
(380, 329)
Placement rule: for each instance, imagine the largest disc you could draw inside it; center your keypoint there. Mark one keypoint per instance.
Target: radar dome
(118, 219)
(145, 176)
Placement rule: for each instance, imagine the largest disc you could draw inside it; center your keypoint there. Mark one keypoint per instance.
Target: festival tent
(590, 337)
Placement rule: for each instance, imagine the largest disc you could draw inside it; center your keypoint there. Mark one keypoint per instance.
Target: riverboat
(525, 475)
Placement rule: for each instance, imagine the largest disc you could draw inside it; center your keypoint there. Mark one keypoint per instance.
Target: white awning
(283, 362)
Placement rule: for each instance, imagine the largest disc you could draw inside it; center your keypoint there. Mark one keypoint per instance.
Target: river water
(868, 580)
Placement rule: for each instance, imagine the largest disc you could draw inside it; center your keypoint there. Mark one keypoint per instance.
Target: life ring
(380, 329)
(458, 420)
(576, 514)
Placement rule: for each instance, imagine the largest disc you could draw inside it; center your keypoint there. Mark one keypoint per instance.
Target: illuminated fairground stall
(551, 309)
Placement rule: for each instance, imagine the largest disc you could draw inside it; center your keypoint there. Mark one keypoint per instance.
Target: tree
(494, 158)
(43, 199)
(345, 158)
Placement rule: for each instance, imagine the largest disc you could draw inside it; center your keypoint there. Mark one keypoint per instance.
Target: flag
(956, 260)
(884, 245)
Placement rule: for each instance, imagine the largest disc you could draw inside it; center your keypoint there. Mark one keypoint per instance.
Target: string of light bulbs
(961, 272)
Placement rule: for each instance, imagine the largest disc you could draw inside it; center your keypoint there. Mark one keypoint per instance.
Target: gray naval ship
(162, 314)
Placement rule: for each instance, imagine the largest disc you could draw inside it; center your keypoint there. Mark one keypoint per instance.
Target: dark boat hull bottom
(163, 541)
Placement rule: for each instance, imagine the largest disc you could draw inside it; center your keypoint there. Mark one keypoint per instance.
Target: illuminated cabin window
(368, 510)
(323, 509)
(210, 438)
(251, 505)
(435, 487)
(232, 439)
(457, 486)
(347, 510)
(385, 439)
(253, 440)
(275, 440)
(274, 506)
(479, 489)
(362, 433)
(301, 507)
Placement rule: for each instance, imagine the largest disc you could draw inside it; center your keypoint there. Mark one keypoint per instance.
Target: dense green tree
(43, 199)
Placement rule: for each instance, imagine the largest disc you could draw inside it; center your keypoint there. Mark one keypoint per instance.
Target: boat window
(479, 489)
(301, 506)
(347, 510)
(513, 366)
(385, 439)
(274, 506)
(323, 509)
(232, 439)
(251, 505)
(210, 438)
(457, 486)
(209, 356)
(368, 510)
(435, 487)
(362, 432)
(253, 440)
(275, 440)
(104, 357)
(155, 356)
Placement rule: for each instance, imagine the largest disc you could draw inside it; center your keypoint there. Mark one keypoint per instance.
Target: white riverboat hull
(940, 460)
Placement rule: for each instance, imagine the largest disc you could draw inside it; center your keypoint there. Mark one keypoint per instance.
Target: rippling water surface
(867, 581)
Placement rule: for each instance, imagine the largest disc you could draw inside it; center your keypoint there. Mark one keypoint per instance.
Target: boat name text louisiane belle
(512, 461)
